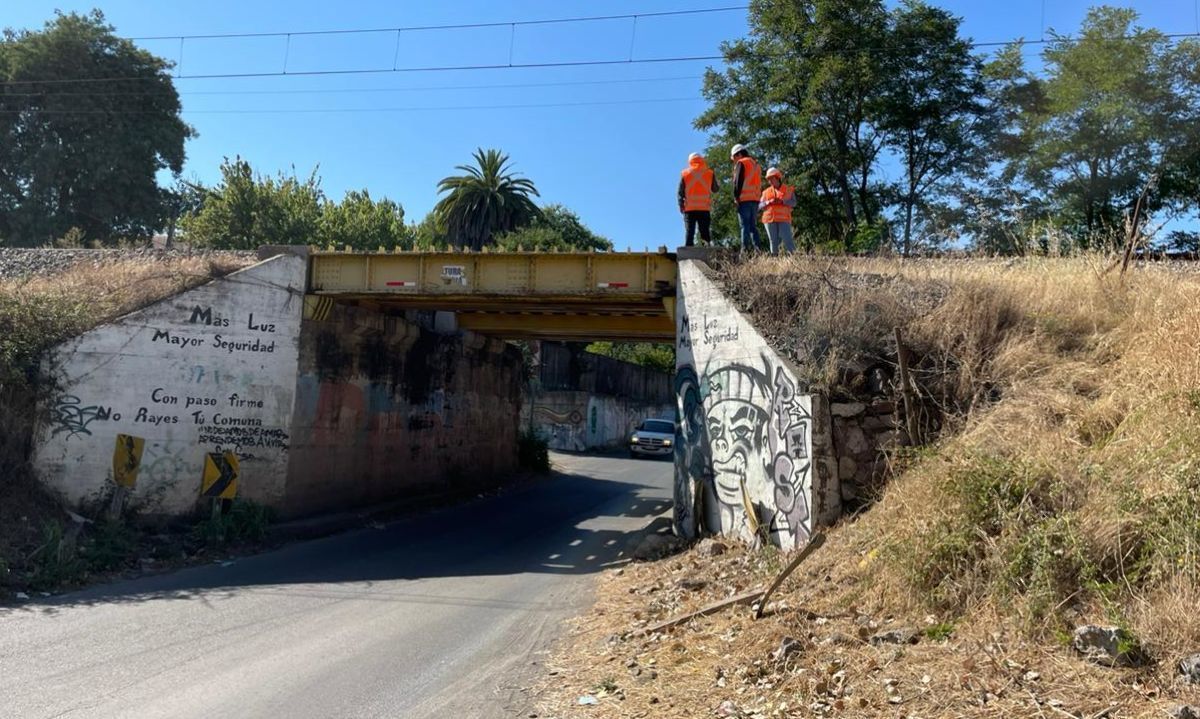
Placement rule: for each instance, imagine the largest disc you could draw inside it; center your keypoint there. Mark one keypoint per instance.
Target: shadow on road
(568, 524)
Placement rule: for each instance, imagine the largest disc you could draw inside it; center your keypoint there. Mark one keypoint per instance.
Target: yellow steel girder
(573, 295)
(495, 273)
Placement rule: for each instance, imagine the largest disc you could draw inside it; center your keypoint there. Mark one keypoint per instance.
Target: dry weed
(1069, 493)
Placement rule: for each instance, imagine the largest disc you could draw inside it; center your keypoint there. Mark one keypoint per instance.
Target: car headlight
(666, 443)
(633, 440)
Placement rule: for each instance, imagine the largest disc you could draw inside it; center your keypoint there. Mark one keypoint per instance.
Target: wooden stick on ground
(906, 387)
(814, 543)
(743, 598)
(746, 597)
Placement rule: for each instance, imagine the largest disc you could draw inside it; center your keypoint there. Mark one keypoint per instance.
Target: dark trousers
(691, 219)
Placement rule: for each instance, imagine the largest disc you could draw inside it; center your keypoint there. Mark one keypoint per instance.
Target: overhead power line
(394, 69)
(375, 71)
(366, 90)
(460, 26)
(324, 110)
(399, 31)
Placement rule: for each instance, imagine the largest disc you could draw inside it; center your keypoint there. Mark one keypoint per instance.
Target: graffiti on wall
(69, 415)
(743, 431)
(563, 430)
(210, 369)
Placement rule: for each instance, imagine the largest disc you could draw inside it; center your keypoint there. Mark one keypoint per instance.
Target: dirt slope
(1063, 490)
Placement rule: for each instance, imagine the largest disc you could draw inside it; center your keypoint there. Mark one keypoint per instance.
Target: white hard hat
(774, 172)
(694, 156)
(736, 149)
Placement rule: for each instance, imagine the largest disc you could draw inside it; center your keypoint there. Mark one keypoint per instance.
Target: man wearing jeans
(747, 190)
(776, 205)
(697, 185)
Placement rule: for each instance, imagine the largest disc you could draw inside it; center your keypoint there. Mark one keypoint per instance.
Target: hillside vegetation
(37, 311)
(1064, 489)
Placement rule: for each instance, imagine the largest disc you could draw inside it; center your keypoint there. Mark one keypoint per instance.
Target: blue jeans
(748, 219)
(780, 233)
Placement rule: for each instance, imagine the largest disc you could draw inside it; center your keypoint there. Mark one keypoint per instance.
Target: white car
(653, 437)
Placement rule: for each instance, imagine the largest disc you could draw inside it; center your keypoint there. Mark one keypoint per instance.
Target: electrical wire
(323, 110)
(372, 71)
(514, 66)
(368, 90)
(461, 26)
(629, 60)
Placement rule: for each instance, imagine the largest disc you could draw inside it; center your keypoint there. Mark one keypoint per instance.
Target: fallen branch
(746, 597)
(814, 543)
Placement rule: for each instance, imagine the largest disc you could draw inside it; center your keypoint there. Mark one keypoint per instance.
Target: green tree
(817, 89)
(246, 210)
(362, 223)
(556, 229)
(74, 158)
(429, 234)
(1115, 118)
(931, 105)
(486, 201)
(658, 357)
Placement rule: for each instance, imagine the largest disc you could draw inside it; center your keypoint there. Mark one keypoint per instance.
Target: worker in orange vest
(747, 190)
(697, 185)
(776, 204)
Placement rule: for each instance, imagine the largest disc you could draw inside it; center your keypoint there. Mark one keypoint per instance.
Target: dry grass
(1068, 493)
(34, 315)
(122, 286)
(38, 312)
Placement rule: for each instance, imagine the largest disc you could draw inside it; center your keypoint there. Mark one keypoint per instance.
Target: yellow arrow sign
(220, 479)
(127, 459)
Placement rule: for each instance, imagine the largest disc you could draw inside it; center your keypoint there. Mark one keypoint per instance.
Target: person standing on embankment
(776, 204)
(697, 185)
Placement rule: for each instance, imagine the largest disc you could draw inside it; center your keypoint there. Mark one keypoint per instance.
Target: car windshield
(657, 425)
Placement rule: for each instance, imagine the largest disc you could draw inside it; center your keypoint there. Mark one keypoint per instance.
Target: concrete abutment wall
(748, 433)
(399, 410)
(208, 370)
(582, 401)
(323, 414)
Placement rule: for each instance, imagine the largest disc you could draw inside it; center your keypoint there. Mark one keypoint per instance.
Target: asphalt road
(447, 614)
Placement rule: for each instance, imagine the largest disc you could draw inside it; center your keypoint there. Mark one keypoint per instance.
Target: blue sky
(607, 140)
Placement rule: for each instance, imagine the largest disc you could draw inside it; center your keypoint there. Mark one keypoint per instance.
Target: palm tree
(486, 201)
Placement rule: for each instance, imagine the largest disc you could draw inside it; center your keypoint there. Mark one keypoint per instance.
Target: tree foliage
(73, 159)
(931, 106)
(658, 357)
(802, 91)
(486, 201)
(896, 134)
(361, 223)
(557, 228)
(429, 234)
(1114, 117)
(246, 210)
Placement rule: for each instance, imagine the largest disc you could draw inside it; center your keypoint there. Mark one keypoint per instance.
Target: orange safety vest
(777, 213)
(697, 188)
(751, 180)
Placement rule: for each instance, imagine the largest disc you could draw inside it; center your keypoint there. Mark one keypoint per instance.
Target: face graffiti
(734, 431)
(754, 433)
